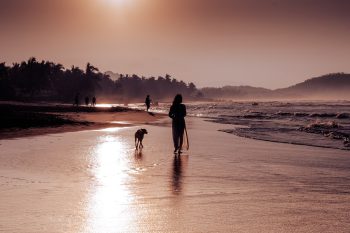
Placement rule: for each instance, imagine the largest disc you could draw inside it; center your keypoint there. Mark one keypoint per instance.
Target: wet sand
(23, 120)
(93, 181)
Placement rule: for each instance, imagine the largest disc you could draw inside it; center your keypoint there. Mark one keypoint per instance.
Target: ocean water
(317, 123)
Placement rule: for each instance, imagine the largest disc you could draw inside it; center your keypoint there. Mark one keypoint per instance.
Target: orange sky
(268, 43)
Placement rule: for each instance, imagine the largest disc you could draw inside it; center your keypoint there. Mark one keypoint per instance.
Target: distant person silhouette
(87, 101)
(177, 113)
(93, 101)
(77, 99)
(148, 102)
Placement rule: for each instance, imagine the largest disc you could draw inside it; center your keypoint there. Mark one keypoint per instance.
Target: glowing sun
(119, 2)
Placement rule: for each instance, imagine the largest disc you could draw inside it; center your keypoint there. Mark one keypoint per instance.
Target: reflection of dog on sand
(139, 137)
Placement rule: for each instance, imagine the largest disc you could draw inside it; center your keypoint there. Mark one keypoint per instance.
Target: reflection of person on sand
(177, 113)
(177, 175)
(148, 102)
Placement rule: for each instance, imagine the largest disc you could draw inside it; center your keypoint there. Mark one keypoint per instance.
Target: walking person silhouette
(148, 102)
(93, 103)
(87, 101)
(177, 113)
(77, 99)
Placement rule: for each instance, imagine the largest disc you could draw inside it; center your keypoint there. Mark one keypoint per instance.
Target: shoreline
(17, 121)
(233, 132)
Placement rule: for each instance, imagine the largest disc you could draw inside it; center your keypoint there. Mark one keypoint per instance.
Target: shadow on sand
(138, 154)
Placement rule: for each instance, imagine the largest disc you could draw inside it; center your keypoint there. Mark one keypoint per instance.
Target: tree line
(34, 80)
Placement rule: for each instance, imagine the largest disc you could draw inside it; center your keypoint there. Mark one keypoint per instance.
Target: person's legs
(181, 136)
(175, 138)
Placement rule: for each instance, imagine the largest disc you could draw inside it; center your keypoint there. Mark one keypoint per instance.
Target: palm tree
(90, 70)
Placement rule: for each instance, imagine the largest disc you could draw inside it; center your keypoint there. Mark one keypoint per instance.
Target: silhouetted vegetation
(163, 88)
(33, 80)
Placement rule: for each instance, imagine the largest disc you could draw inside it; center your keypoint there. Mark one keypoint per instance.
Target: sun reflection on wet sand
(110, 203)
(104, 105)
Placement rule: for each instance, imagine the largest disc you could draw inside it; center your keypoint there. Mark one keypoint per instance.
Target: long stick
(188, 144)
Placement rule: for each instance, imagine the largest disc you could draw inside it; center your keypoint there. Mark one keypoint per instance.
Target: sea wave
(284, 136)
(322, 124)
(304, 124)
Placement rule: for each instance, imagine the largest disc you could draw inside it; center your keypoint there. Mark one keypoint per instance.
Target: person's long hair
(177, 99)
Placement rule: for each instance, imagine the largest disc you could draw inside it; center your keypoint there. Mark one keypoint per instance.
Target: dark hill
(236, 92)
(330, 86)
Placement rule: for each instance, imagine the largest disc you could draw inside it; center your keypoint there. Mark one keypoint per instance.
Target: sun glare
(119, 2)
(109, 203)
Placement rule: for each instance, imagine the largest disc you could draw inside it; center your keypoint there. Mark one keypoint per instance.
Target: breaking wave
(321, 124)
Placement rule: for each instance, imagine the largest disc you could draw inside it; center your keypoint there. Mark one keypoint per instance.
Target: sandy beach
(23, 120)
(94, 181)
(243, 108)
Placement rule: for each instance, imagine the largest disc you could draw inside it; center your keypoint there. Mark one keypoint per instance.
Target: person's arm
(185, 110)
(171, 114)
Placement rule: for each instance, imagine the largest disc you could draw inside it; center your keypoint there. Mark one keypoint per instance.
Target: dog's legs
(137, 143)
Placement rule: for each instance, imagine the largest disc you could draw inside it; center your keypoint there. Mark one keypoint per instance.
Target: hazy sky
(267, 43)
